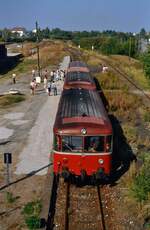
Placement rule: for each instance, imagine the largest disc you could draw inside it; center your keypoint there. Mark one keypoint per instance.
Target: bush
(31, 214)
(146, 63)
(33, 222)
(32, 208)
(141, 184)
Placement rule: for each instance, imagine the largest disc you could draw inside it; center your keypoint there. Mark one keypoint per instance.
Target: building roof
(18, 29)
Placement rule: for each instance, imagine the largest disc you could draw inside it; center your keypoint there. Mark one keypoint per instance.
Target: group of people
(50, 86)
(49, 80)
(57, 75)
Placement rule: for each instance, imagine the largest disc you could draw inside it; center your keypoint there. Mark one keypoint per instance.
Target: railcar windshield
(95, 144)
(71, 143)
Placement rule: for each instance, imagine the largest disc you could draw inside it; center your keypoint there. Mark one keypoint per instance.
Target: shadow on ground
(122, 153)
(9, 63)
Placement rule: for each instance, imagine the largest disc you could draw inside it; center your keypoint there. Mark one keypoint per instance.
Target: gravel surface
(36, 153)
(14, 116)
(5, 133)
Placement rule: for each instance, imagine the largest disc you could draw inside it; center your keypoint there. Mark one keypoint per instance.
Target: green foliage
(31, 212)
(32, 208)
(6, 35)
(141, 185)
(142, 33)
(10, 198)
(109, 44)
(145, 58)
(33, 222)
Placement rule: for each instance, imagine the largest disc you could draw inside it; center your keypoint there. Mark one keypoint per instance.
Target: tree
(142, 33)
(6, 35)
(146, 63)
(46, 33)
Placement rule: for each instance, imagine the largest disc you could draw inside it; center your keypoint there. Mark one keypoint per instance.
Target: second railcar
(79, 80)
(78, 66)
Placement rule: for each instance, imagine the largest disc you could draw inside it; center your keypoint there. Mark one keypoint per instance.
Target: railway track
(76, 208)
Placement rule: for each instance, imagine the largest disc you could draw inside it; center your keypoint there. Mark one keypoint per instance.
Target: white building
(19, 30)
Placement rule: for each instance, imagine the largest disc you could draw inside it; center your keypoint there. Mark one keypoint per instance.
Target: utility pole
(130, 45)
(38, 53)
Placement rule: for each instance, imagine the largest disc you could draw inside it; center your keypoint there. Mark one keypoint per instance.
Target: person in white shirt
(45, 83)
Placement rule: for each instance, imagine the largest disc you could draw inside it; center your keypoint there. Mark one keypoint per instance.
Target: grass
(123, 104)
(9, 100)
(91, 58)
(110, 81)
(130, 132)
(147, 116)
(132, 67)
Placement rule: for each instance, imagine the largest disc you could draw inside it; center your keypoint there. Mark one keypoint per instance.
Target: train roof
(79, 80)
(79, 76)
(77, 64)
(81, 108)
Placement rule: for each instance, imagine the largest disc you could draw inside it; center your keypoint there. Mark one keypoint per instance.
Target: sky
(119, 15)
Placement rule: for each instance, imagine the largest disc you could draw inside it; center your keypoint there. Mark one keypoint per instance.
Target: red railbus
(82, 135)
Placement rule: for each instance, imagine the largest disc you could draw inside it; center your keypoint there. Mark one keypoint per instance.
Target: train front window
(71, 144)
(94, 144)
(108, 143)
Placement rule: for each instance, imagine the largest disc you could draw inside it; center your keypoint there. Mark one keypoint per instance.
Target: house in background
(18, 30)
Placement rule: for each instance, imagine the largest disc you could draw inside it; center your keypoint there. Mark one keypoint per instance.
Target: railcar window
(94, 144)
(56, 143)
(71, 143)
(108, 143)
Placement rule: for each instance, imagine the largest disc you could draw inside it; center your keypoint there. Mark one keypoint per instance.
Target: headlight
(101, 161)
(83, 131)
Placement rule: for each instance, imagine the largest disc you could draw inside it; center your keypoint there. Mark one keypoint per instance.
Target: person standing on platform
(45, 83)
(49, 88)
(33, 86)
(14, 78)
(33, 74)
(54, 88)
